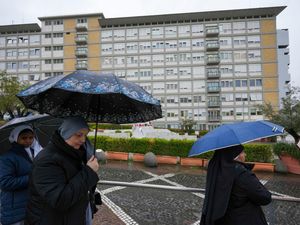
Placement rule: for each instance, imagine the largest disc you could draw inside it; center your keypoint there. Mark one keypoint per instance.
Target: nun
(15, 167)
(63, 178)
(233, 195)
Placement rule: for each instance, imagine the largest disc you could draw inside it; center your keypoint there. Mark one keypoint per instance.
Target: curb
(174, 160)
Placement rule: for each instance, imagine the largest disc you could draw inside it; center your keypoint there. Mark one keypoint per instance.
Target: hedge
(181, 148)
(290, 149)
(109, 126)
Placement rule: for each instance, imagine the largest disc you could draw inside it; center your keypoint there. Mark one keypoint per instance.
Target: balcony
(81, 66)
(212, 59)
(214, 118)
(213, 74)
(81, 40)
(212, 31)
(212, 46)
(213, 89)
(81, 53)
(81, 27)
(213, 104)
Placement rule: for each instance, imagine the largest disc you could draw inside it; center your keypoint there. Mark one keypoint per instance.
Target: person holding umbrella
(63, 178)
(15, 167)
(233, 193)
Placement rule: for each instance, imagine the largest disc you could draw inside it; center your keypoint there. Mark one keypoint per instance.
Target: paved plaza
(131, 205)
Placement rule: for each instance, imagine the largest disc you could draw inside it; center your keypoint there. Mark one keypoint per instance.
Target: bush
(108, 126)
(258, 152)
(291, 149)
(118, 131)
(181, 148)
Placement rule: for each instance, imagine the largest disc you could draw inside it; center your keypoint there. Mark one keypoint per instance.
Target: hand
(93, 163)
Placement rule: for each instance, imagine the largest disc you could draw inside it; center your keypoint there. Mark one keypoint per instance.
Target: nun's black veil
(219, 181)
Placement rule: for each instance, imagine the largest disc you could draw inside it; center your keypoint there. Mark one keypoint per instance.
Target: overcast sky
(27, 11)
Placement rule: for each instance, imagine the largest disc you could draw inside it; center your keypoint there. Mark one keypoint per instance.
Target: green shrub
(203, 132)
(290, 149)
(109, 126)
(118, 131)
(258, 152)
(181, 148)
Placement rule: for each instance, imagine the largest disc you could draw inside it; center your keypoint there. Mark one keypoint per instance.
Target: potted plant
(289, 155)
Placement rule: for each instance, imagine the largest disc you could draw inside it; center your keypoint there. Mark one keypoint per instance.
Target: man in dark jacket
(63, 179)
(233, 194)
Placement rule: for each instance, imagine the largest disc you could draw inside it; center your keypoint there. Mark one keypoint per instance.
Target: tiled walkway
(128, 205)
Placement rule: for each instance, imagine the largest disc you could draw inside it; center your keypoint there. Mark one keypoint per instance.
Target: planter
(163, 159)
(117, 155)
(292, 164)
(137, 157)
(205, 163)
(191, 162)
(267, 167)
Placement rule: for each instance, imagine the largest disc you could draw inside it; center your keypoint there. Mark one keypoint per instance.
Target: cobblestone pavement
(143, 206)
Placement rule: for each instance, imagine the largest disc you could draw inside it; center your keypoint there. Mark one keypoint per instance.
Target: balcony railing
(213, 74)
(212, 31)
(81, 66)
(214, 103)
(81, 27)
(214, 118)
(214, 89)
(81, 40)
(212, 46)
(81, 53)
(212, 60)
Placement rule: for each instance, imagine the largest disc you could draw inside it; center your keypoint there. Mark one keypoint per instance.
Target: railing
(275, 196)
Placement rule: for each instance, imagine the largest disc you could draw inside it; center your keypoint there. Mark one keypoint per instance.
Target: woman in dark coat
(233, 194)
(15, 167)
(62, 181)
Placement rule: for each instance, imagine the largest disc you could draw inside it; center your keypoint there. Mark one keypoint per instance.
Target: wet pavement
(131, 205)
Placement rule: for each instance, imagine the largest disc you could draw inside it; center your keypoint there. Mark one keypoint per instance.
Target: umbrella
(43, 125)
(97, 97)
(235, 134)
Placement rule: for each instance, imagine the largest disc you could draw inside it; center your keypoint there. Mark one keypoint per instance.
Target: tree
(289, 115)
(9, 103)
(187, 125)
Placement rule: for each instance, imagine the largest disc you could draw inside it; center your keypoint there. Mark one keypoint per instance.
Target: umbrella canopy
(43, 126)
(96, 97)
(235, 134)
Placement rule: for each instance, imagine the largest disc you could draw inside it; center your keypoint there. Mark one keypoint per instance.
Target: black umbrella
(96, 97)
(43, 126)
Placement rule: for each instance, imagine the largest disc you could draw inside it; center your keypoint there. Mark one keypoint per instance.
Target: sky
(28, 11)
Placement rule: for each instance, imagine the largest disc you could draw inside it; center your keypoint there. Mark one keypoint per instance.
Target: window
(170, 31)
(58, 22)
(144, 33)
(58, 35)
(253, 41)
(253, 26)
(48, 48)
(239, 27)
(34, 39)
(157, 32)
(254, 69)
(58, 48)
(23, 39)
(239, 42)
(48, 61)
(34, 52)
(225, 28)
(197, 29)
(254, 55)
(132, 33)
(48, 23)
(82, 20)
(49, 35)
(184, 31)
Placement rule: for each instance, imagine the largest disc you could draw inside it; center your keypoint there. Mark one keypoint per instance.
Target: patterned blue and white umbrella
(96, 97)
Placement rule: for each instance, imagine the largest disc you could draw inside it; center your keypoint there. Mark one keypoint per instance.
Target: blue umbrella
(96, 97)
(235, 134)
